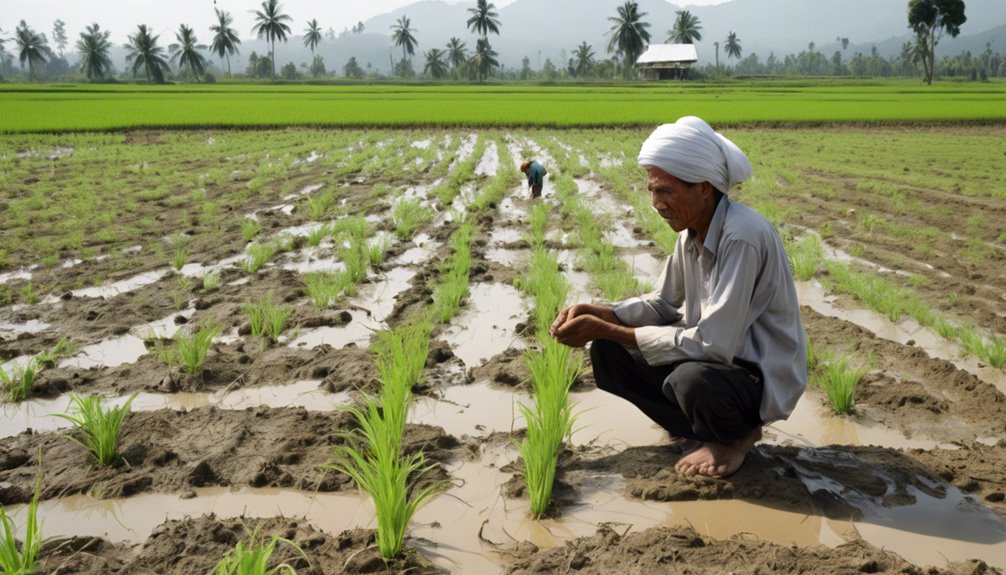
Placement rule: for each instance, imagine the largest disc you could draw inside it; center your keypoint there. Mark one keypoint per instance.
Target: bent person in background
(718, 351)
(535, 173)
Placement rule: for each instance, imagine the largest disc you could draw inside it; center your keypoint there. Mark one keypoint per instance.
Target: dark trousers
(692, 399)
(536, 190)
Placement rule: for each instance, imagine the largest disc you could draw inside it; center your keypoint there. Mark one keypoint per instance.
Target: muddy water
(812, 294)
(487, 325)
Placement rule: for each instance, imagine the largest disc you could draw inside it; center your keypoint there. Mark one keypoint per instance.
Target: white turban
(692, 152)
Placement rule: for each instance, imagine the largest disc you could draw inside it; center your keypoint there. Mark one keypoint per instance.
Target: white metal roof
(656, 53)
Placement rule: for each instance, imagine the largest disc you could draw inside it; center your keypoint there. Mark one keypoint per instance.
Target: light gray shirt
(731, 298)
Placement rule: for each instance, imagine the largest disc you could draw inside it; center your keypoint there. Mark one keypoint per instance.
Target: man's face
(680, 204)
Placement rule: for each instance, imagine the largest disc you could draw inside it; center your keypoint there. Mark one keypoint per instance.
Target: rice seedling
(100, 427)
(211, 281)
(257, 256)
(188, 351)
(18, 383)
(805, 256)
(29, 295)
(267, 318)
(839, 381)
(318, 234)
(322, 287)
(549, 422)
(21, 561)
(252, 557)
(372, 459)
(376, 250)
(408, 215)
(178, 259)
(453, 289)
(63, 348)
(250, 228)
(400, 354)
(317, 206)
(538, 220)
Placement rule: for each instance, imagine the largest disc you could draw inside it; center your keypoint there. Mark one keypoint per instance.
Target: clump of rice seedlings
(453, 288)
(211, 281)
(180, 294)
(992, 350)
(317, 206)
(252, 557)
(538, 220)
(257, 256)
(376, 250)
(29, 295)
(400, 354)
(318, 234)
(322, 287)
(178, 259)
(373, 460)
(462, 173)
(21, 561)
(549, 422)
(63, 348)
(945, 328)
(839, 381)
(805, 257)
(267, 318)
(18, 383)
(100, 427)
(188, 350)
(250, 228)
(408, 215)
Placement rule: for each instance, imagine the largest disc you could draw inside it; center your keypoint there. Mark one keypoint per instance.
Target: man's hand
(580, 324)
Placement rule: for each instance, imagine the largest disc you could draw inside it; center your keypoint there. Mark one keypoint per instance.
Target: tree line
(186, 59)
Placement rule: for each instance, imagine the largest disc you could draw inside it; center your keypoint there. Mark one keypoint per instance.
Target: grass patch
(408, 215)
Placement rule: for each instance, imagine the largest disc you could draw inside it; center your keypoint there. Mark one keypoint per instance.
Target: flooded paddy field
(112, 244)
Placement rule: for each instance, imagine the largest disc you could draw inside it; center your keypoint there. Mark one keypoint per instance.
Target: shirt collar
(715, 232)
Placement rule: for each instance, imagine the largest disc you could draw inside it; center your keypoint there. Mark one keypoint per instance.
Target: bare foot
(717, 459)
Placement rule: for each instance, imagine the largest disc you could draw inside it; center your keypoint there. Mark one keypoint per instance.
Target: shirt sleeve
(724, 319)
(659, 307)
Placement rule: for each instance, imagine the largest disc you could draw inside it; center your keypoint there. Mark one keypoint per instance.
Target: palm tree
(270, 24)
(186, 52)
(143, 52)
(584, 58)
(402, 35)
(628, 34)
(32, 47)
(732, 46)
(484, 58)
(484, 19)
(686, 30)
(457, 53)
(312, 35)
(436, 66)
(225, 38)
(93, 47)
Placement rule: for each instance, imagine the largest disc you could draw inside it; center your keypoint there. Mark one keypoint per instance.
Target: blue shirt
(536, 174)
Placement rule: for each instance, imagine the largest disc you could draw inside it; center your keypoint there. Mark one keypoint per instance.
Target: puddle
(116, 288)
(644, 266)
(489, 162)
(503, 236)
(509, 210)
(600, 201)
(423, 249)
(422, 144)
(35, 414)
(811, 293)
(22, 273)
(447, 528)
(486, 327)
(13, 329)
(580, 290)
(308, 264)
(506, 257)
(125, 348)
(813, 424)
(620, 235)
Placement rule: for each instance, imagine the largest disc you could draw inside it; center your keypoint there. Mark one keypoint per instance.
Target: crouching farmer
(718, 351)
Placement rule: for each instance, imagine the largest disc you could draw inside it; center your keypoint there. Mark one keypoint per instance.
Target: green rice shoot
(839, 381)
(18, 383)
(267, 318)
(99, 427)
(252, 557)
(15, 560)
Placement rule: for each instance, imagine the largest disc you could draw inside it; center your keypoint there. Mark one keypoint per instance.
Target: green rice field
(62, 108)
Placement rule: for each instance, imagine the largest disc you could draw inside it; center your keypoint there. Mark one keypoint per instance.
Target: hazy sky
(164, 16)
